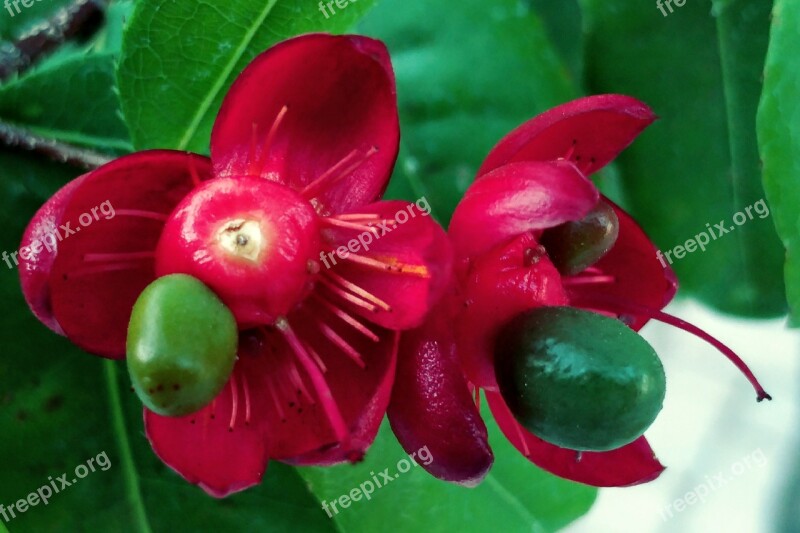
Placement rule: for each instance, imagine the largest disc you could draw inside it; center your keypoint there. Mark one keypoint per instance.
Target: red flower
(534, 179)
(302, 148)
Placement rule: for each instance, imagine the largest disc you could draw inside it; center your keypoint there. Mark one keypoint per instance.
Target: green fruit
(182, 343)
(578, 379)
(575, 246)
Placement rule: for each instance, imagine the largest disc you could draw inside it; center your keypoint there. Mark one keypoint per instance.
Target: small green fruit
(182, 343)
(575, 246)
(578, 379)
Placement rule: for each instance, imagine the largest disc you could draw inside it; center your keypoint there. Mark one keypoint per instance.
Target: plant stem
(15, 137)
(78, 18)
(129, 472)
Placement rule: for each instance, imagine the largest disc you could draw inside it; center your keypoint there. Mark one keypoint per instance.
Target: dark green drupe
(575, 246)
(578, 379)
(182, 343)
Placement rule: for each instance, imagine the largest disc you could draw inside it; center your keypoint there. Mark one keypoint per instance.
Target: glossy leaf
(178, 67)
(697, 166)
(91, 115)
(778, 131)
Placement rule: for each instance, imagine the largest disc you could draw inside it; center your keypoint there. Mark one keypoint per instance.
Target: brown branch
(15, 137)
(79, 19)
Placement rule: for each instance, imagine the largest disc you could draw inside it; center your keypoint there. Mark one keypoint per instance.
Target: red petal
(410, 264)
(630, 465)
(432, 407)
(93, 294)
(206, 448)
(34, 271)
(356, 390)
(640, 276)
(517, 198)
(503, 283)
(341, 97)
(589, 131)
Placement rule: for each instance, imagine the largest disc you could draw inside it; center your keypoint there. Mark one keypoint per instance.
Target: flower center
(252, 241)
(242, 239)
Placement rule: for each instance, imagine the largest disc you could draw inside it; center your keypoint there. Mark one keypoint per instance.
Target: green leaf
(64, 407)
(84, 111)
(778, 136)
(177, 67)
(467, 74)
(515, 496)
(698, 165)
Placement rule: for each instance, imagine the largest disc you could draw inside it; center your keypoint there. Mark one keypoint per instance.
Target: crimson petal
(327, 100)
(501, 284)
(432, 407)
(589, 131)
(393, 272)
(102, 268)
(630, 465)
(34, 270)
(516, 198)
(221, 451)
(639, 276)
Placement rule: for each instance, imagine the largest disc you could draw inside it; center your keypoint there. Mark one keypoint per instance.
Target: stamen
(297, 381)
(350, 225)
(355, 289)
(161, 217)
(133, 256)
(268, 143)
(343, 345)
(347, 318)
(327, 174)
(323, 391)
(246, 389)
(347, 296)
(588, 280)
(278, 407)
(315, 187)
(635, 309)
(317, 359)
(390, 265)
(234, 402)
(358, 216)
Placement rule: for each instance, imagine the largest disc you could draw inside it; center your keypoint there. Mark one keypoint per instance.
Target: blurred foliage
(779, 138)
(698, 164)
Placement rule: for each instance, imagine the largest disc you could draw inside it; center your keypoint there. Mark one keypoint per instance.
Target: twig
(80, 18)
(60, 152)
